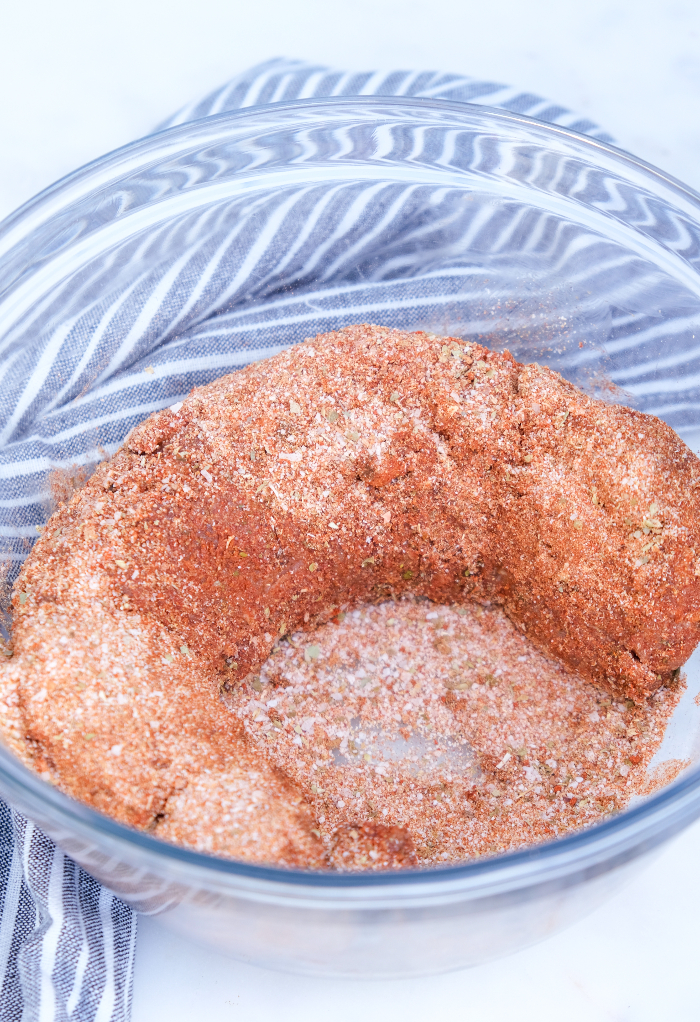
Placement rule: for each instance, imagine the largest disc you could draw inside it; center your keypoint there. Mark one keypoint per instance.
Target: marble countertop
(80, 78)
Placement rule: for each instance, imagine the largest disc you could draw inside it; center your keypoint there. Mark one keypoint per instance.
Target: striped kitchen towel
(75, 384)
(66, 943)
(280, 80)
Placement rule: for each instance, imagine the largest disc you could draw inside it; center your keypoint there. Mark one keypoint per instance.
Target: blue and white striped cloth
(279, 81)
(66, 943)
(73, 390)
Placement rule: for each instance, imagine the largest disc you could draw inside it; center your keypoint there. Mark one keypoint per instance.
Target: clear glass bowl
(459, 219)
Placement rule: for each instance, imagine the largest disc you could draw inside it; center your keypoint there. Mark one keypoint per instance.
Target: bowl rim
(624, 835)
(210, 123)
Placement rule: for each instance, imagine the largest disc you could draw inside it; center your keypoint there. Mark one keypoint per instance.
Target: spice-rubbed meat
(357, 466)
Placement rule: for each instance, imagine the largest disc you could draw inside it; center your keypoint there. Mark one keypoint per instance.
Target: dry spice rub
(424, 733)
(362, 467)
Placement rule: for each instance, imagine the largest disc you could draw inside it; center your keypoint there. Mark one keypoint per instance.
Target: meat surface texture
(353, 468)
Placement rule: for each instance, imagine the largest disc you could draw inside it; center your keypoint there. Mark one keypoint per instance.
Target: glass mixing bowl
(307, 217)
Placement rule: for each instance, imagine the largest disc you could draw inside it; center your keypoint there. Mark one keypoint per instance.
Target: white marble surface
(81, 77)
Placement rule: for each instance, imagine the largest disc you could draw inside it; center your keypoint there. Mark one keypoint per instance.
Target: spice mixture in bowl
(546, 751)
(386, 464)
(403, 726)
